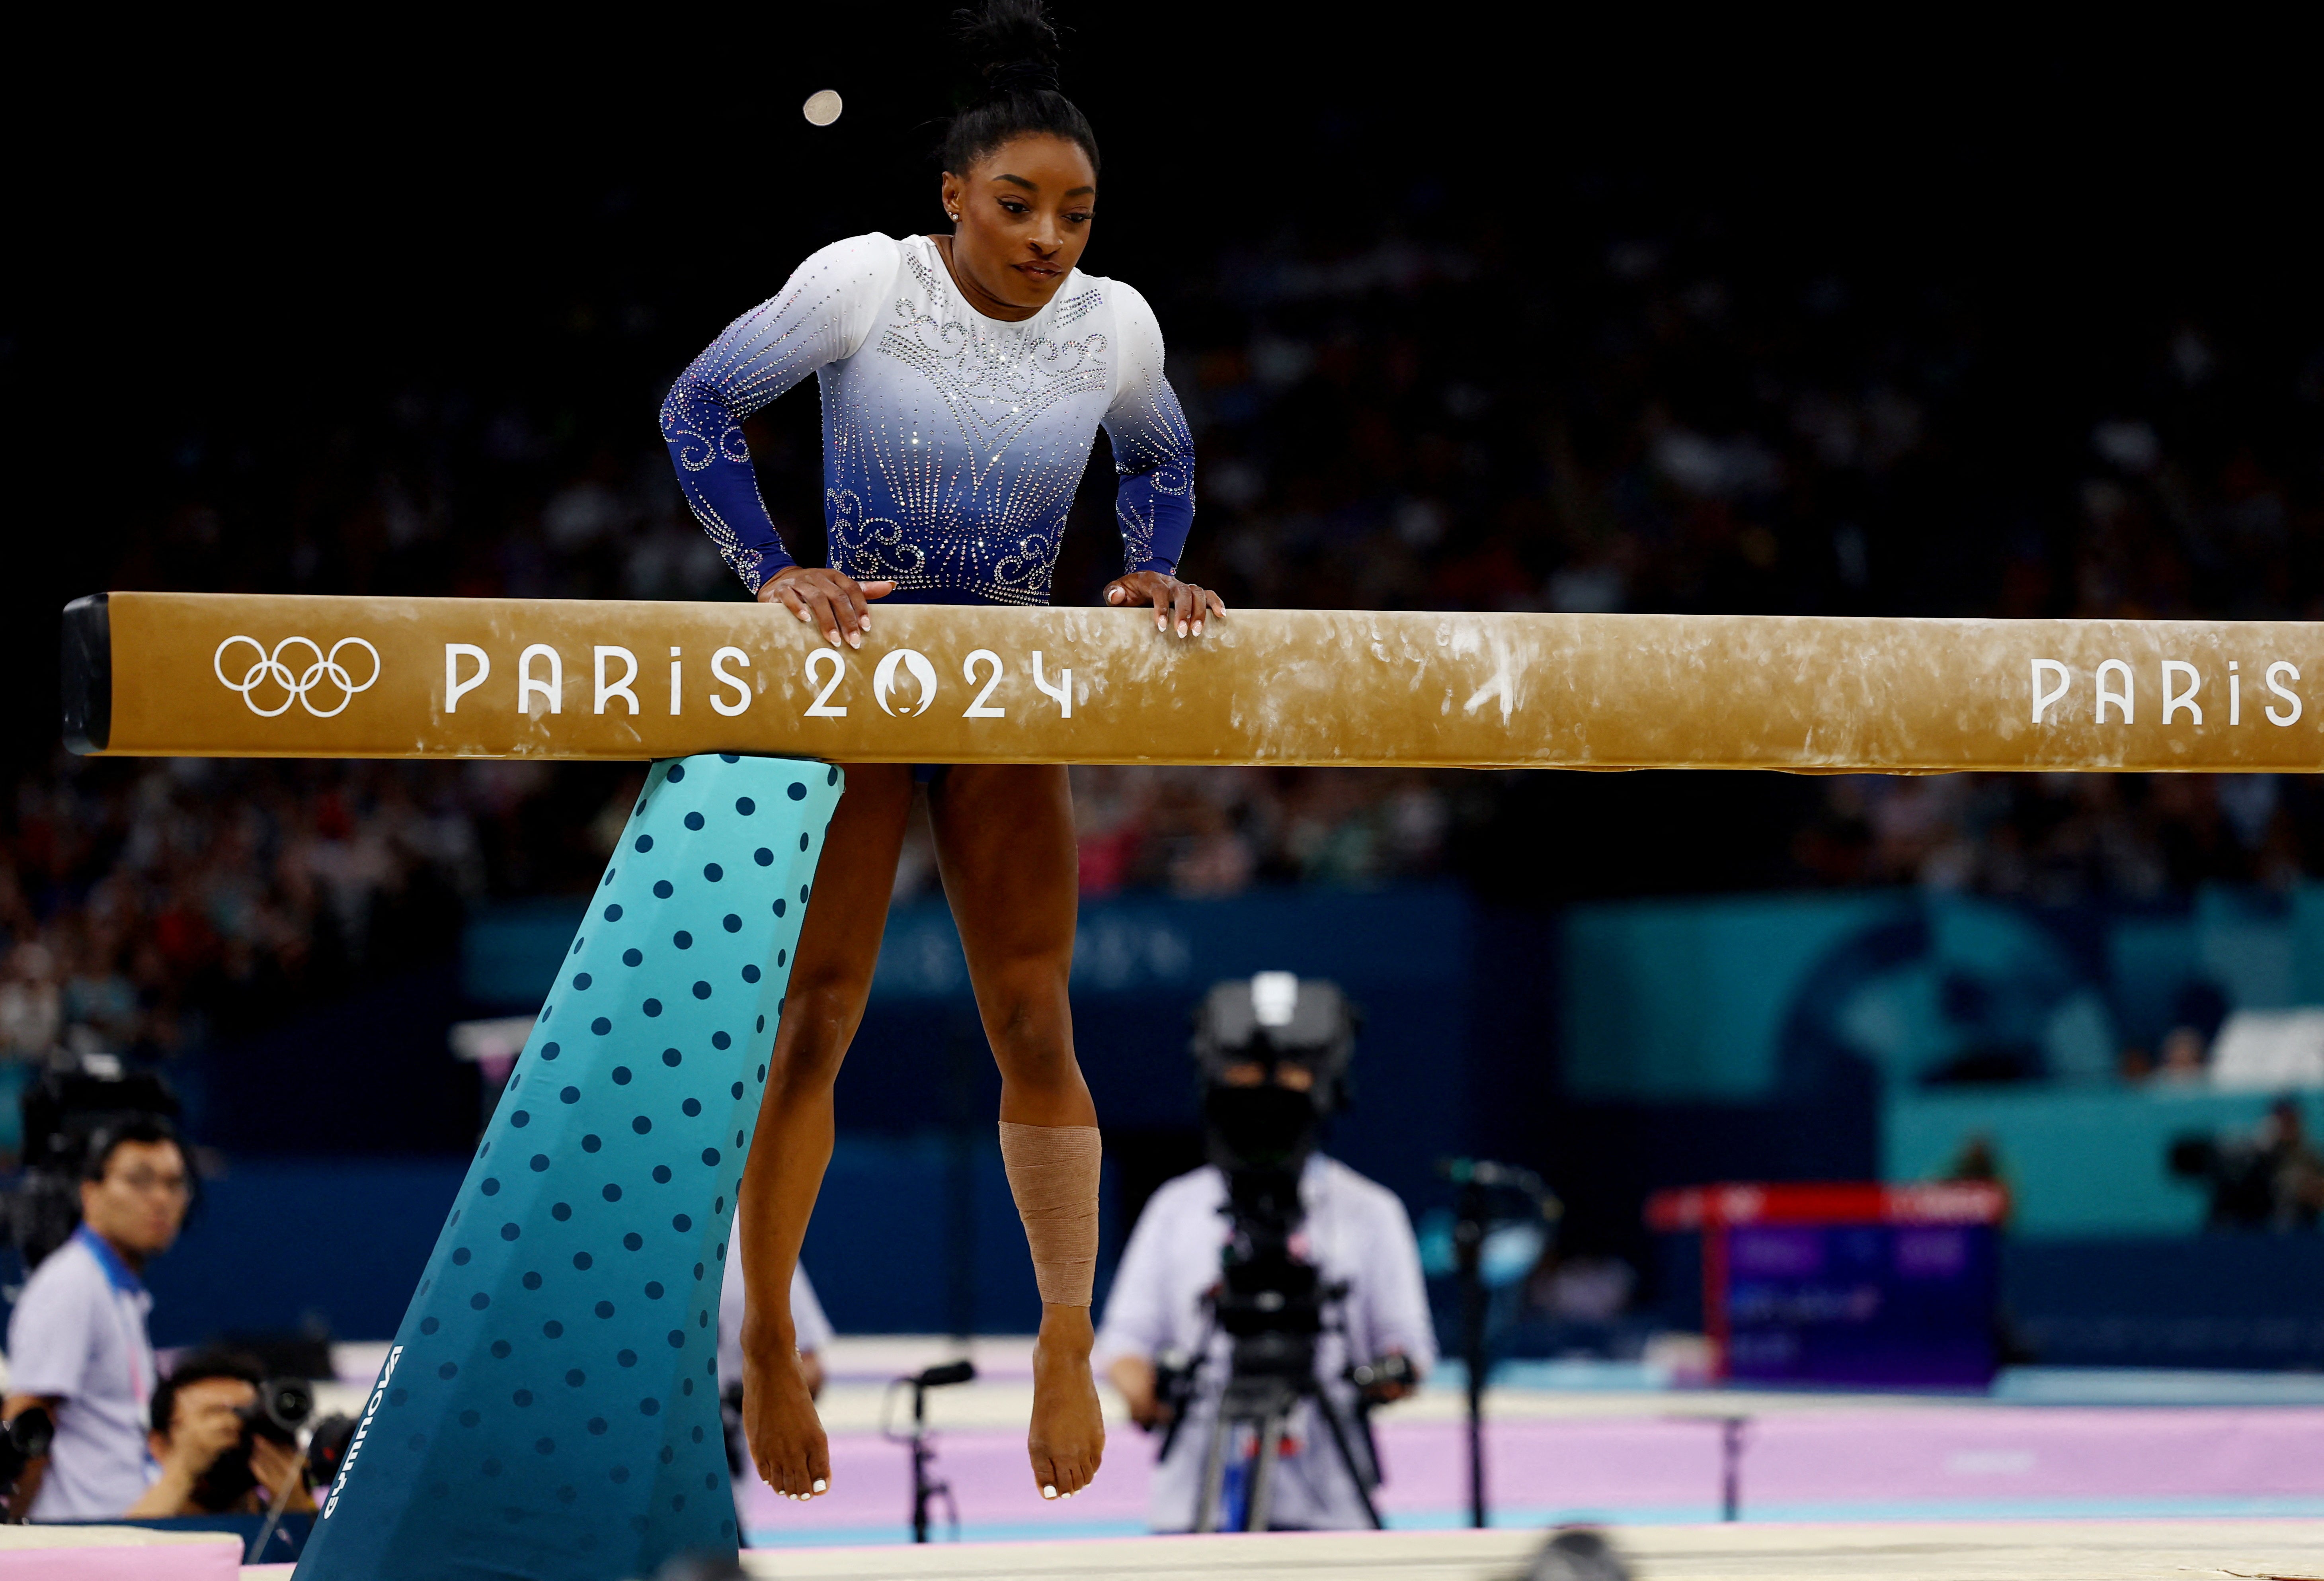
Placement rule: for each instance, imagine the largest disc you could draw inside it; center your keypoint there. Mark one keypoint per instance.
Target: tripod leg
(1214, 1475)
(1362, 1482)
(921, 1488)
(1257, 1507)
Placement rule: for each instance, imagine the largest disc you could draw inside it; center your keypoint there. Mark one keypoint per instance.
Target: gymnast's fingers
(1205, 605)
(858, 612)
(839, 601)
(1218, 604)
(785, 593)
(1183, 604)
(1201, 599)
(1164, 590)
(877, 589)
(826, 614)
(1115, 593)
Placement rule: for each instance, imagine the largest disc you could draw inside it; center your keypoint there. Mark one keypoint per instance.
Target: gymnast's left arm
(1154, 460)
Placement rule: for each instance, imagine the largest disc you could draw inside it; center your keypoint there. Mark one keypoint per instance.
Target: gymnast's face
(1021, 216)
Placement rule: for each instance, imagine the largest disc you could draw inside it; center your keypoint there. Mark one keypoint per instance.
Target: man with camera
(220, 1450)
(1266, 1301)
(77, 1343)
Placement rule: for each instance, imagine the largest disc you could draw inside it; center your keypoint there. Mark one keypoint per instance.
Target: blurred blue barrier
(1618, 1048)
(2249, 1300)
(1390, 938)
(338, 1243)
(2240, 1301)
(278, 1243)
(881, 1252)
(1408, 956)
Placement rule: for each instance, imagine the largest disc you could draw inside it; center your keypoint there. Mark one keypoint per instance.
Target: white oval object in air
(822, 108)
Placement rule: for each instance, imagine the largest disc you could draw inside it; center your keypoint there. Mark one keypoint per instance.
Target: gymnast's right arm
(824, 314)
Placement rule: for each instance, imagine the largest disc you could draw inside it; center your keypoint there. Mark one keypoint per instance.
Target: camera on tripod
(1272, 1052)
(24, 1440)
(67, 1110)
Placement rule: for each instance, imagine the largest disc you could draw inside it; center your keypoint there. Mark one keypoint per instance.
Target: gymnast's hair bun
(1013, 46)
(1012, 43)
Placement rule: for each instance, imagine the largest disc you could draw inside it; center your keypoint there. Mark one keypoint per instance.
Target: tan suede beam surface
(231, 675)
(1053, 1174)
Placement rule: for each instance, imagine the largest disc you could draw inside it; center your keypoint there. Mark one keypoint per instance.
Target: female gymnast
(964, 377)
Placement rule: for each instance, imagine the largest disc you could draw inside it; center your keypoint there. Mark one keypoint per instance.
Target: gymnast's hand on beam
(834, 600)
(1173, 600)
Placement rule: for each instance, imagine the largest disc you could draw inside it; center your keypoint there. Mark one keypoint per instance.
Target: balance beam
(246, 675)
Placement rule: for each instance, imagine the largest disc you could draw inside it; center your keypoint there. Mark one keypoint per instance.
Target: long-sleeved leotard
(953, 443)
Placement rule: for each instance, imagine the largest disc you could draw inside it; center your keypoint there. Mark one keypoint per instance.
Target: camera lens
(288, 1400)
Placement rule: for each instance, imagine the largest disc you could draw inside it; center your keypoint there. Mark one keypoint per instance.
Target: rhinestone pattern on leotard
(953, 443)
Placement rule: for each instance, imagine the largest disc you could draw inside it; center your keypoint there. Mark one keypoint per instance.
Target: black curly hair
(1014, 47)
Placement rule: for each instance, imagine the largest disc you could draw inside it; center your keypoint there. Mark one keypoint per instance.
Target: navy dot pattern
(563, 1330)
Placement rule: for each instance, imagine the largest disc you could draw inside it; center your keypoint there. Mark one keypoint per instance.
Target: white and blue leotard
(952, 442)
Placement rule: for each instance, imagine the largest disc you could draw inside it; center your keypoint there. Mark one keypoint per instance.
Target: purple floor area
(1855, 1463)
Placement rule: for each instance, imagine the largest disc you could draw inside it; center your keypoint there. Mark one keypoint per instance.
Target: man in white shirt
(1266, 1087)
(77, 1343)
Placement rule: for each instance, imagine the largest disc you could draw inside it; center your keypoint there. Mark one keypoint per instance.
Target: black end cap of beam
(88, 674)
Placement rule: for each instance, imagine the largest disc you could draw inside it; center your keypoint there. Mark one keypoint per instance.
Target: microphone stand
(1468, 1253)
(277, 1501)
(1477, 1179)
(925, 1488)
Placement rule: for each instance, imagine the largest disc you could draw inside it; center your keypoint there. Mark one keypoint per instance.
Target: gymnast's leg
(1005, 846)
(839, 943)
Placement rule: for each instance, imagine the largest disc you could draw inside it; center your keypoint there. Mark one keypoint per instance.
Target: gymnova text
(363, 1431)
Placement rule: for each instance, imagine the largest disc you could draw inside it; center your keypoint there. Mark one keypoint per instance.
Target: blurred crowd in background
(1667, 418)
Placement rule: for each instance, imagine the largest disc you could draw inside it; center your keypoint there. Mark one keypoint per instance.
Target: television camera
(67, 1109)
(1272, 1053)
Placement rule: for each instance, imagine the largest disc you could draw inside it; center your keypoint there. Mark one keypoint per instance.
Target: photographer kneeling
(1274, 1294)
(218, 1452)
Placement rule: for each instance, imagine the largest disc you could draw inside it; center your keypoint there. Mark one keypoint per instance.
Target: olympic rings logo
(270, 669)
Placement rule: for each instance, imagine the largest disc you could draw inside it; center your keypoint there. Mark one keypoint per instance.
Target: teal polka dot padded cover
(549, 1409)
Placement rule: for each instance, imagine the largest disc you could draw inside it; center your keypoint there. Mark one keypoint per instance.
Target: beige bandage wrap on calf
(1053, 1172)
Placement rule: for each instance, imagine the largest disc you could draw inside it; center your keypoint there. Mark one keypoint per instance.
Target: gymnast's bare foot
(779, 1419)
(1067, 1439)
